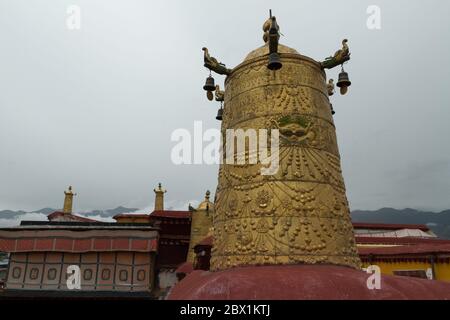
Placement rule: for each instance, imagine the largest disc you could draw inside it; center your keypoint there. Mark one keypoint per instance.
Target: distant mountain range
(438, 222)
(108, 213)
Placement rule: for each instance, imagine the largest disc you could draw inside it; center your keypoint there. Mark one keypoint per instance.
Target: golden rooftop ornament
(159, 197)
(68, 200)
(300, 214)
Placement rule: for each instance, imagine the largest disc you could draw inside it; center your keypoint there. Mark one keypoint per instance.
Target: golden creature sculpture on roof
(212, 63)
(266, 28)
(339, 57)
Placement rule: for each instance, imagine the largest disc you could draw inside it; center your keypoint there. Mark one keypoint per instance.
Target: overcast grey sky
(95, 108)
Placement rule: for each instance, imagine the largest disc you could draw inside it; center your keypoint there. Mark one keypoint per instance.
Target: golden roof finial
(206, 204)
(68, 200)
(159, 197)
(287, 242)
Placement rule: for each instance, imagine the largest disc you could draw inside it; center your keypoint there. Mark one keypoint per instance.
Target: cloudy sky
(95, 107)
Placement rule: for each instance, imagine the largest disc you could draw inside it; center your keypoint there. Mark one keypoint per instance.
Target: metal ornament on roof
(300, 213)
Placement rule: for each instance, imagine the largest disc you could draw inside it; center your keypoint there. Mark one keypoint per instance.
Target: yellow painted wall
(442, 270)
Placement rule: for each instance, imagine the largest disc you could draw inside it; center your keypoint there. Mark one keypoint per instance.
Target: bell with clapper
(209, 84)
(274, 61)
(219, 114)
(273, 37)
(343, 81)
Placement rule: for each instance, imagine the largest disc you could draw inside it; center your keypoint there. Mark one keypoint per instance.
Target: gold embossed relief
(300, 214)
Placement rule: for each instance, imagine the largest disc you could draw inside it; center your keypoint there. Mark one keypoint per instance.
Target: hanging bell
(343, 82)
(219, 114)
(274, 61)
(332, 110)
(209, 84)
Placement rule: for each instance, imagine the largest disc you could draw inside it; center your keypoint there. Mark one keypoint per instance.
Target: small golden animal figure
(213, 64)
(339, 57)
(342, 53)
(220, 94)
(266, 27)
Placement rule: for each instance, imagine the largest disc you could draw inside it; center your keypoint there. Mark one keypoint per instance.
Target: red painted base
(302, 282)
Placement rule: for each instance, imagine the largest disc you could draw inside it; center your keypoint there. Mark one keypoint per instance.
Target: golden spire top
(68, 200)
